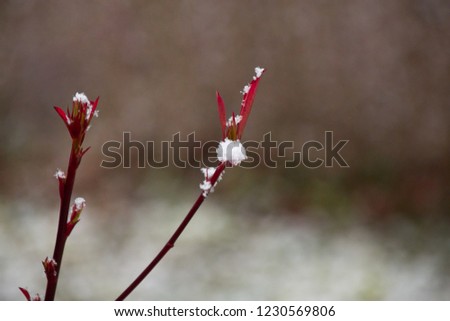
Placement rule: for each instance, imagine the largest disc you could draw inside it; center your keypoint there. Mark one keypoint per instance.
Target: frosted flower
(231, 151)
(79, 203)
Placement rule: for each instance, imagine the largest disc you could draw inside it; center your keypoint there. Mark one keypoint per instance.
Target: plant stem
(62, 224)
(171, 242)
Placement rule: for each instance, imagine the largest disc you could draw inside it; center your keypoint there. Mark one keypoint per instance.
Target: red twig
(77, 122)
(61, 235)
(231, 134)
(171, 242)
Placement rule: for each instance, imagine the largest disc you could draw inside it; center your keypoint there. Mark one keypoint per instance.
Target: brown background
(375, 73)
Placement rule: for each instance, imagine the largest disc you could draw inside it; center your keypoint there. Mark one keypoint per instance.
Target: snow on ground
(221, 256)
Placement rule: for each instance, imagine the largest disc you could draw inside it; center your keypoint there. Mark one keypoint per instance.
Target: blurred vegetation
(375, 73)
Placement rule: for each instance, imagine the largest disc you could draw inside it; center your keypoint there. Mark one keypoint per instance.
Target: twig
(171, 242)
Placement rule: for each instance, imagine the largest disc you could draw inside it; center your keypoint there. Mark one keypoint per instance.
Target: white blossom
(232, 151)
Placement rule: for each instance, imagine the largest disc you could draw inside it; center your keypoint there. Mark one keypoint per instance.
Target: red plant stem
(62, 224)
(171, 242)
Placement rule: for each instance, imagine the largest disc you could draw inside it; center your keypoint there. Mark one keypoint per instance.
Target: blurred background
(374, 73)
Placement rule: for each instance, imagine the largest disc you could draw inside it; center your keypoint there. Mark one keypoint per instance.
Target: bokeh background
(374, 72)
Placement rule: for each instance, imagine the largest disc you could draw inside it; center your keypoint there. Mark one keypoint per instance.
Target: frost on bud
(28, 296)
(258, 71)
(77, 207)
(78, 119)
(61, 177)
(234, 120)
(49, 268)
(79, 203)
(245, 89)
(60, 174)
(231, 151)
(206, 187)
(234, 127)
(208, 173)
(81, 98)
